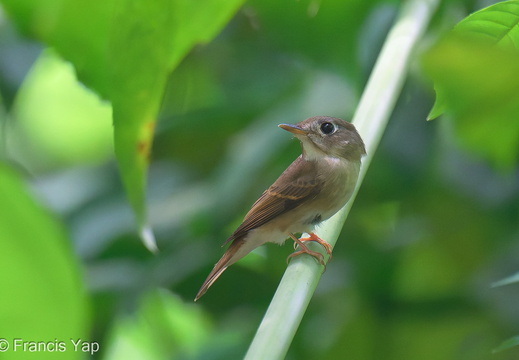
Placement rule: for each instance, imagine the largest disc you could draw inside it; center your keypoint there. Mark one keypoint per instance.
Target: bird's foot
(317, 239)
(305, 250)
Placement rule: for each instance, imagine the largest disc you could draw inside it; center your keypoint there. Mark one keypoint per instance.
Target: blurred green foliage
(43, 295)
(124, 51)
(476, 74)
(434, 224)
(59, 118)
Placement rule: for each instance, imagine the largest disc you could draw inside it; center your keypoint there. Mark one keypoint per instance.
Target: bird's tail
(235, 252)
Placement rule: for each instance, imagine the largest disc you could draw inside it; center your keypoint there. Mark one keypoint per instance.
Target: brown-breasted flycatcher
(312, 189)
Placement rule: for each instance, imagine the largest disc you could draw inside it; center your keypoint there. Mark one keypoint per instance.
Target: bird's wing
(297, 184)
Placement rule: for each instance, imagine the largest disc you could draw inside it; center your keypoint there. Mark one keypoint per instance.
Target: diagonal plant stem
(291, 299)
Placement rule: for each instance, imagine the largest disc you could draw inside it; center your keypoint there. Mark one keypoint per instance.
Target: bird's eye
(327, 128)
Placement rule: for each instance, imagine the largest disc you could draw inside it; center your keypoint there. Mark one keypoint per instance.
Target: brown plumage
(313, 188)
(295, 185)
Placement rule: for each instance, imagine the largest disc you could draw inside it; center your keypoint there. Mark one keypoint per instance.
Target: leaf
(476, 77)
(479, 86)
(148, 41)
(498, 24)
(125, 51)
(49, 98)
(43, 297)
(507, 344)
(439, 105)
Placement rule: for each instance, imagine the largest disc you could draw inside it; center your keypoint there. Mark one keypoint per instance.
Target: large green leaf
(125, 50)
(498, 24)
(148, 41)
(476, 77)
(42, 295)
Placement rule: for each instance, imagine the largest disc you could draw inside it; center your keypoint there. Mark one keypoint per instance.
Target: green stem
(291, 299)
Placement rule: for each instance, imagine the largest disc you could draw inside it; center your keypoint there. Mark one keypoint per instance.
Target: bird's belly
(300, 219)
(269, 232)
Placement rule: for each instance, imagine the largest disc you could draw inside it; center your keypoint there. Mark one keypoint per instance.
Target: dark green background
(433, 226)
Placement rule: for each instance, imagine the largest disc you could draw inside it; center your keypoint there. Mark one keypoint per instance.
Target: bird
(313, 188)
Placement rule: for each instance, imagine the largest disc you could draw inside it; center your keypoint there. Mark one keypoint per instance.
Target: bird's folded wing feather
(297, 184)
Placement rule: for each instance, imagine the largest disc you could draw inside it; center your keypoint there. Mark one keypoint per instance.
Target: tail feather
(232, 255)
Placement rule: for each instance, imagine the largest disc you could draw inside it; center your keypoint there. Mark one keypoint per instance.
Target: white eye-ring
(327, 128)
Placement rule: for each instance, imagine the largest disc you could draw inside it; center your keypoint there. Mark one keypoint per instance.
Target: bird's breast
(339, 177)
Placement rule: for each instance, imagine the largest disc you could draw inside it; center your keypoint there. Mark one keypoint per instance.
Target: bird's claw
(305, 250)
(317, 239)
(318, 256)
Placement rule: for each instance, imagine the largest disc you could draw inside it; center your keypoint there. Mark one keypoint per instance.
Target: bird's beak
(294, 129)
